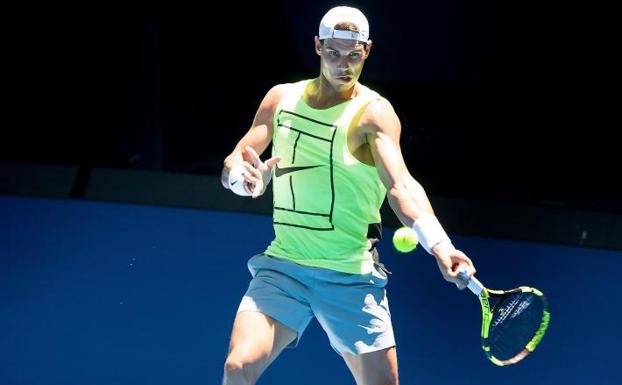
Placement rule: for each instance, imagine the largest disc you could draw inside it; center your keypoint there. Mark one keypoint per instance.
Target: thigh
(275, 293)
(257, 339)
(354, 311)
(375, 368)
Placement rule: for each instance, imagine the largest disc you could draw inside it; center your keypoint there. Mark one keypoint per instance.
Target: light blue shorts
(353, 309)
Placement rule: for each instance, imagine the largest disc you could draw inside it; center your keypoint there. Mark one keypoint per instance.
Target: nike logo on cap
(286, 170)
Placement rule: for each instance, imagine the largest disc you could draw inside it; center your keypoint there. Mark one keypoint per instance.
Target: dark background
(507, 101)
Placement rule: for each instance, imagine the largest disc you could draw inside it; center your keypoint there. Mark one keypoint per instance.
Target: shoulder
(379, 116)
(276, 93)
(271, 100)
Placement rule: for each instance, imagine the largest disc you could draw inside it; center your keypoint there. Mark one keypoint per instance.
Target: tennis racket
(513, 321)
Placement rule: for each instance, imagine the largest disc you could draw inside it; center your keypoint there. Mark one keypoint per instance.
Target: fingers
(460, 262)
(462, 267)
(252, 177)
(452, 263)
(467, 268)
(253, 155)
(256, 171)
(272, 161)
(253, 173)
(455, 276)
(249, 188)
(256, 191)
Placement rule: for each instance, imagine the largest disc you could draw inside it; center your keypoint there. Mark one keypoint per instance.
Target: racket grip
(472, 283)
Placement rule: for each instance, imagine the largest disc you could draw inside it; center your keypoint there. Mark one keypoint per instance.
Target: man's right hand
(451, 261)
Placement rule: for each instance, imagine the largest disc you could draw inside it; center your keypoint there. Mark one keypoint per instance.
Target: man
(336, 155)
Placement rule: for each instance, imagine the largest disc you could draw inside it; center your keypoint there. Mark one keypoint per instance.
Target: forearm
(409, 200)
(410, 203)
(406, 196)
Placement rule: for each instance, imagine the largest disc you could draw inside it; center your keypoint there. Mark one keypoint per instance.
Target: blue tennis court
(106, 293)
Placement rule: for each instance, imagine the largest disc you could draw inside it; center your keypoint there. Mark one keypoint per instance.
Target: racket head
(513, 323)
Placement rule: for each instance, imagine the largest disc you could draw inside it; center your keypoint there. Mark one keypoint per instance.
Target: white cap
(344, 15)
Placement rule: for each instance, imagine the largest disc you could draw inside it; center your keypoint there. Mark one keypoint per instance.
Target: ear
(368, 48)
(318, 46)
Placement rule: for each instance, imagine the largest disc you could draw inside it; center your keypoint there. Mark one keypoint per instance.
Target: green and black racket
(513, 321)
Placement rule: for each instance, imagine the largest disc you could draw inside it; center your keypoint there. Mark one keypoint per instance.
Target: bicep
(384, 138)
(387, 159)
(406, 196)
(259, 134)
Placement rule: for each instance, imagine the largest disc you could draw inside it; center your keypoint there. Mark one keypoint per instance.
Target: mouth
(344, 78)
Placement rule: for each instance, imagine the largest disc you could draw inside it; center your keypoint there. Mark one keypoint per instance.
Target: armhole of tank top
(291, 90)
(359, 110)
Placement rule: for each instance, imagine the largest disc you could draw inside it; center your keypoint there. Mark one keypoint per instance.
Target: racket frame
(484, 294)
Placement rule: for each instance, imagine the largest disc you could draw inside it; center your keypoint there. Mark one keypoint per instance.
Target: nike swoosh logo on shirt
(286, 170)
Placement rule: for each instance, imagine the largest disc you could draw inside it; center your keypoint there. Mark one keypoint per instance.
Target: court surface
(104, 293)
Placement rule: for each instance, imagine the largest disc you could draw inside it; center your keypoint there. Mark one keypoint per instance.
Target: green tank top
(324, 198)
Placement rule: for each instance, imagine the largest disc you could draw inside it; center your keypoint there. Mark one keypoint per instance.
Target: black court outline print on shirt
(332, 184)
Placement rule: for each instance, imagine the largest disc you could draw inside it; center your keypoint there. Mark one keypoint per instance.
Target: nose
(343, 62)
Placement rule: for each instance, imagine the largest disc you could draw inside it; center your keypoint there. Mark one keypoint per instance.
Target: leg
(257, 337)
(358, 324)
(375, 368)
(256, 340)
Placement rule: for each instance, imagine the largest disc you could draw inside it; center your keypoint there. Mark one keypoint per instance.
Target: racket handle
(472, 283)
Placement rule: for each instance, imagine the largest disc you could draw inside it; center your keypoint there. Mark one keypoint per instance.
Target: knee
(240, 371)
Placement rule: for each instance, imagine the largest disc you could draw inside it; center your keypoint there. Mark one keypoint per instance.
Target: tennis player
(335, 156)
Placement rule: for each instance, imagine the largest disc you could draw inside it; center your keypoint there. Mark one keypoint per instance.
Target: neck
(322, 94)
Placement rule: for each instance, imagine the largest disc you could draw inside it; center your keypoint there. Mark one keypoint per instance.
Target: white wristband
(429, 231)
(236, 181)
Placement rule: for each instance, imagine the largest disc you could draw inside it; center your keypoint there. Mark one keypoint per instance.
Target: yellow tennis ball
(405, 239)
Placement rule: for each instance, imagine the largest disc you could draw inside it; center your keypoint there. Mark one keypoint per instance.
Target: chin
(341, 85)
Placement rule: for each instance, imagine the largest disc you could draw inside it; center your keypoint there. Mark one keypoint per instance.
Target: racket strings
(516, 319)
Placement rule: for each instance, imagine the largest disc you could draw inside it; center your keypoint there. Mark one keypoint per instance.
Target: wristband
(429, 231)
(236, 181)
